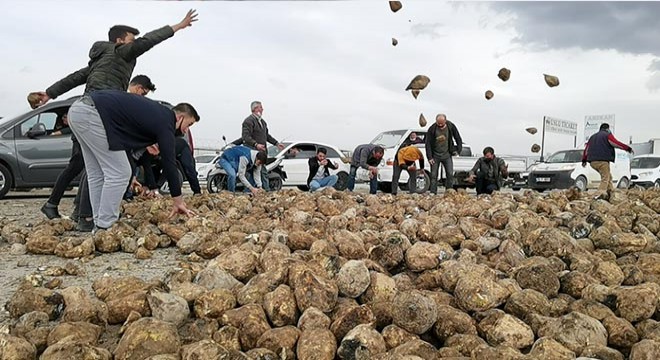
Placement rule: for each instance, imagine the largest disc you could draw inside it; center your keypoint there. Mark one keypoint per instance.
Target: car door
(41, 159)
(297, 167)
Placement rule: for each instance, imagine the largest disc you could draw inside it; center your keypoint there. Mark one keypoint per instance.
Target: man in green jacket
(110, 67)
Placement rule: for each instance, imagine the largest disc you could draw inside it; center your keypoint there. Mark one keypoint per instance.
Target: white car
(297, 167)
(204, 164)
(645, 170)
(563, 170)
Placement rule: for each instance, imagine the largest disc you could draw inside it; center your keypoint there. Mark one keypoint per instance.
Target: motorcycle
(217, 179)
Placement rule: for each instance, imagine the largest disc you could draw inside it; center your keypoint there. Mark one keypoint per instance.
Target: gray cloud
(628, 27)
(430, 29)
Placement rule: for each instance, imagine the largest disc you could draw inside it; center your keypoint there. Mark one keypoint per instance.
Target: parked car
(30, 157)
(563, 170)
(394, 140)
(297, 167)
(204, 164)
(645, 170)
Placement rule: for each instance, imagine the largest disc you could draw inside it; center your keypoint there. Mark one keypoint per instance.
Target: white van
(646, 170)
(563, 170)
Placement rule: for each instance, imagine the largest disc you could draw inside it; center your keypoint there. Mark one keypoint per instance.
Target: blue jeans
(231, 173)
(326, 181)
(373, 183)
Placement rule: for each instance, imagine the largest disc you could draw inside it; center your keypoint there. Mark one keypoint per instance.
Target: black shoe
(75, 218)
(85, 225)
(50, 211)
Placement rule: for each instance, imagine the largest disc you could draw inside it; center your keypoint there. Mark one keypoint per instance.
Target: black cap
(144, 81)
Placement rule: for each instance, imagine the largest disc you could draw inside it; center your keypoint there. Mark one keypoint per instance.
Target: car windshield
(569, 156)
(273, 150)
(388, 139)
(204, 158)
(645, 163)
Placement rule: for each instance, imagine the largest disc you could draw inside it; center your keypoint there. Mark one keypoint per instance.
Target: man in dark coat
(489, 172)
(440, 147)
(599, 153)
(255, 135)
(366, 157)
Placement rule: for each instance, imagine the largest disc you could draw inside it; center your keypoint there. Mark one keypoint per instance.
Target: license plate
(543, 179)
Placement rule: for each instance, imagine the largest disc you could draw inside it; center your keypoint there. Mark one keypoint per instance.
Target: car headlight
(646, 173)
(568, 167)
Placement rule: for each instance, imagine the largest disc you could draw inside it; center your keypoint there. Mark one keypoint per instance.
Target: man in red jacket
(599, 153)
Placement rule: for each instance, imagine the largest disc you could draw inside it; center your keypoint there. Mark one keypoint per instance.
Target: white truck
(394, 140)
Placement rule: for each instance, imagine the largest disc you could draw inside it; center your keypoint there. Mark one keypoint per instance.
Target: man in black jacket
(254, 133)
(489, 172)
(319, 173)
(108, 123)
(440, 148)
(110, 67)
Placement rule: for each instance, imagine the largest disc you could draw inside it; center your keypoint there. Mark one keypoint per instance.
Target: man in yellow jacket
(405, 159)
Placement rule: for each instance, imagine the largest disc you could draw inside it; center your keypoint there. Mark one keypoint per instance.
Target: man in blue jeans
(319, 173)
(237, 161)
(366, 157)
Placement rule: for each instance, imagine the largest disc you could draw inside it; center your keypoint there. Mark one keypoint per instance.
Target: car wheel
(624, 183)
(275, 184)
(215, 183)
(385, 186)
(164, 187)
(581, 183)
(5, 181)
(657, 183)
(342, 181)
(423, 183)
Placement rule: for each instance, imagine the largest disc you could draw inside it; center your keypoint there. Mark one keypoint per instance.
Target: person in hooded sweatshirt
(110, 67)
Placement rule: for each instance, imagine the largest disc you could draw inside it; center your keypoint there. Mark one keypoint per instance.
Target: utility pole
(543, 139)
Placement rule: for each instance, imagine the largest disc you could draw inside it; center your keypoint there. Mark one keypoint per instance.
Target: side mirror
(36, 131)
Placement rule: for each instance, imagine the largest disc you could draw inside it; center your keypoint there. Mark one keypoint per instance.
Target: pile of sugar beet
(336, 275)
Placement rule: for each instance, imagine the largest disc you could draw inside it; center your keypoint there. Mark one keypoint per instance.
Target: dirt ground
(24, 207)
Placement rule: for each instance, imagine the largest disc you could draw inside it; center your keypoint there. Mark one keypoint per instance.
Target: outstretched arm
(143, 44)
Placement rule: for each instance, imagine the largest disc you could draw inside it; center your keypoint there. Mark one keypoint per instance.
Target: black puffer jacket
(110, 65)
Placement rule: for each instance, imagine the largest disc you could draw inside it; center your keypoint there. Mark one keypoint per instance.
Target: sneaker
(85, 225)
(98, 229)
(50, 211)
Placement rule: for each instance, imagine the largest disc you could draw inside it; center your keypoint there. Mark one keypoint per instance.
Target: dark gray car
(30, 156)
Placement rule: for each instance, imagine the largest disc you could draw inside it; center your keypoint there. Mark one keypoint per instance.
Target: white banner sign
(592, 124)
(560, 126)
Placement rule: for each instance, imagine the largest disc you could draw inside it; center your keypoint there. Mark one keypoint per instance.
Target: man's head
(378, 152)
(122, 34)
(441, 120)
(605, 126)
(141, 85)
(261, 158)
(321, 154)
(186, 116)
(489, 153)
(256, 108)
(293, 152)
(413, 136)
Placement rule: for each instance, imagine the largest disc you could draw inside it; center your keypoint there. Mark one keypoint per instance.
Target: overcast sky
(327, 71)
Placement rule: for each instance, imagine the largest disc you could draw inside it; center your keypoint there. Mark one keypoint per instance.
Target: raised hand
(187, 21)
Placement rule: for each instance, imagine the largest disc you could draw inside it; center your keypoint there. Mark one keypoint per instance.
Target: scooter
(217, 179)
